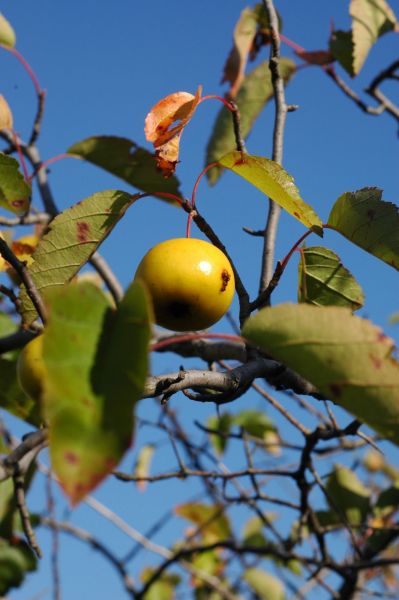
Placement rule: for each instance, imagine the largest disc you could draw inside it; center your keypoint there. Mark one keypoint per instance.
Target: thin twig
(89, 538)
(19, 490)
(278, 138)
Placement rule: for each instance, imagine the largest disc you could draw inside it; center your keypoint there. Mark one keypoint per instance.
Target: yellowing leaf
(7, 33)
(73, 237)
(254, 93)
(161, 131)
(324, 281)
(370, 20)
(123, 158)
(347, 358)
(269, 177)
(6, 120)
(143, 463)
(96, 365)
(369, 222)
(213, 523)
(14, 190)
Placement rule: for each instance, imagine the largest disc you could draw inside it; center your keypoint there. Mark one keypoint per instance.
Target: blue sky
(104, 65)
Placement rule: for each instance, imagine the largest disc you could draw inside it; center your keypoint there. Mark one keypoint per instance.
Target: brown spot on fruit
(17, 203)
(225, 280)
(83, 230)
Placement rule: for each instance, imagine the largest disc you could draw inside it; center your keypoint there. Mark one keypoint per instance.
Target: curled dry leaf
(316, 57)
(6, 121)
(164, 125)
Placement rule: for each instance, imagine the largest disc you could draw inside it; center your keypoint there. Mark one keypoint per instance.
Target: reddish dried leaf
(243, 39)
(161, 130)
(316, 57)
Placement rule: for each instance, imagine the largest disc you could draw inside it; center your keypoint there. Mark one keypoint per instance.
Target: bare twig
(278, 137)
(19, 490)
(23, 272)
(89, 538)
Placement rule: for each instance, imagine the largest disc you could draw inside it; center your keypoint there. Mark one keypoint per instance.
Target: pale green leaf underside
(324, 281)
(271, 179)
(96, 362)
(370, 20)
(265, 585)
(254, 93)
(126, 160)
(347, 358)
(73, 237)
(369, 222)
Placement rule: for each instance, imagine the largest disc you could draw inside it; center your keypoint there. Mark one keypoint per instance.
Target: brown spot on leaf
(83, 230)
(71, 457)
(371, 214)
(17, 203)
(225, 280)
(377, 362)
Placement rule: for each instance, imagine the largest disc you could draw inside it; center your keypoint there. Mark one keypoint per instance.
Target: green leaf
(96, 362)
(369, 222)
(347, 495)
(7, 33)
(341, 47)
(13, 398)
(347, 358)
(14, 190)
(222, 424)
(73, 237)
(266, 586)
(271, 179)
(370, 20)
(324, 281)
(16, 559)
(143, 463)
(163, 588)
(254, 93)
(252, 534)
(213, 523)
(126, 160)
(388, 501)
(254, 422)
(394, 318)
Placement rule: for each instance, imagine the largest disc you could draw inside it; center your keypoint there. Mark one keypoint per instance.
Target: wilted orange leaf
(161, 130)
(5, 114)
(316, 57)
(23, 249)
(243, 38)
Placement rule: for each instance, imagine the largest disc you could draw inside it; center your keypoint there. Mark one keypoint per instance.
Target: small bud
(6, 121)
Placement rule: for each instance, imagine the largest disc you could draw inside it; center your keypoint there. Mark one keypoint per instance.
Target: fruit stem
(26, 66)
(48, 162)
(285, 260)
(200, 176)
(296, 47)
(227, 104)
(175, 339)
